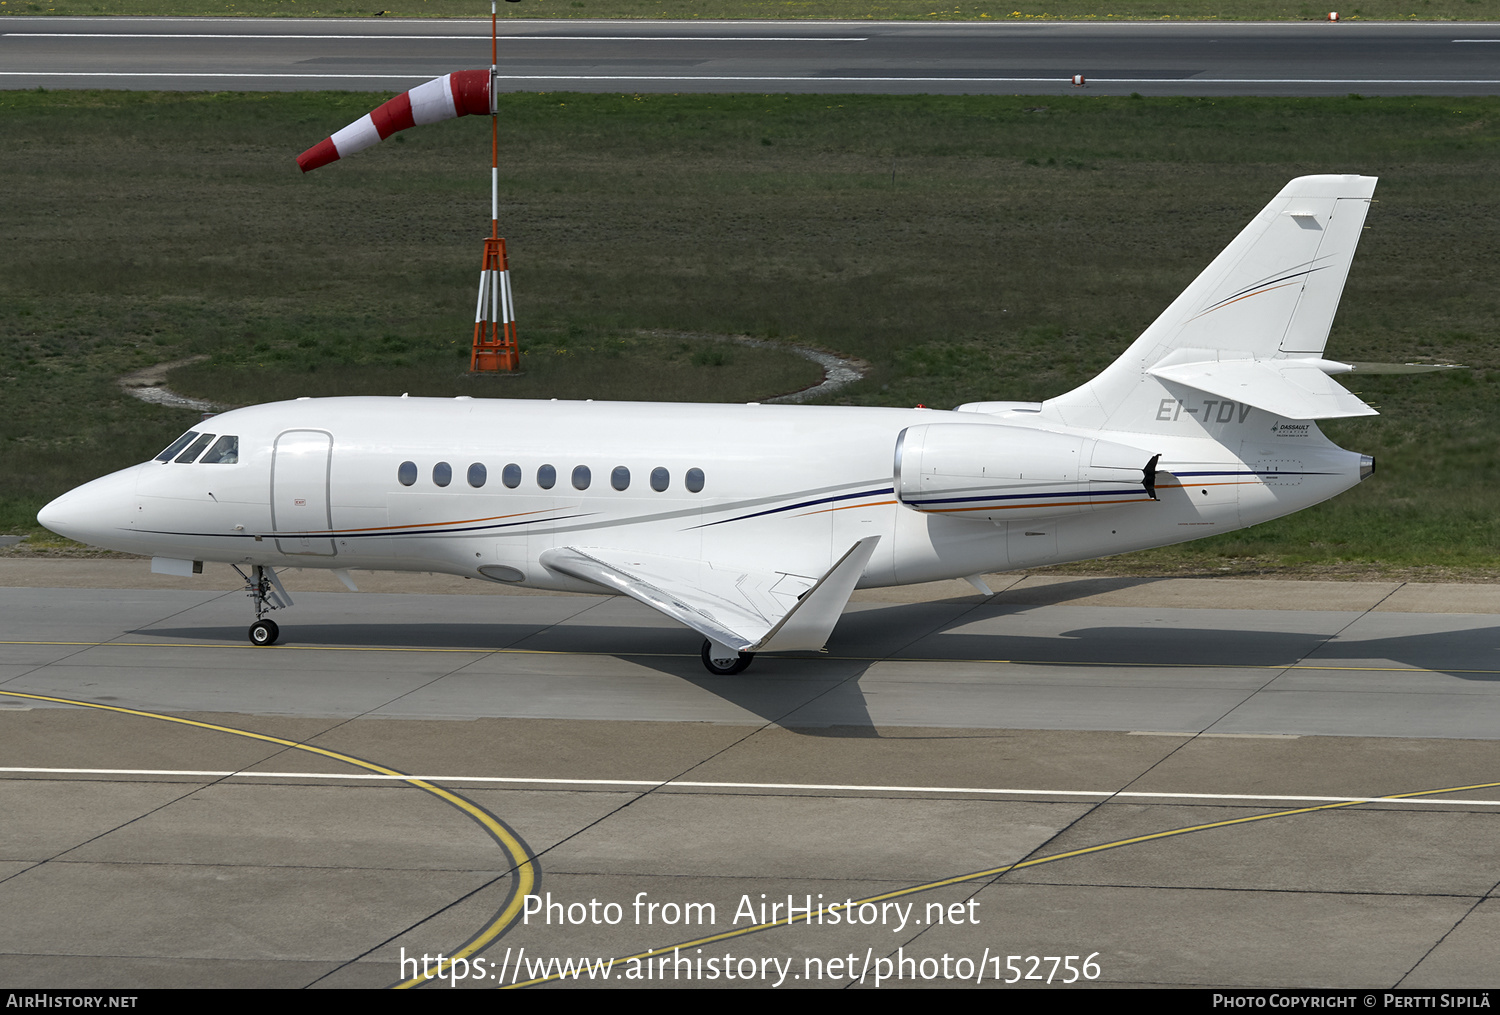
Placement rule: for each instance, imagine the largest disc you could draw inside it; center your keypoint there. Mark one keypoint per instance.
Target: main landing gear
(723, 661)
(267, 593)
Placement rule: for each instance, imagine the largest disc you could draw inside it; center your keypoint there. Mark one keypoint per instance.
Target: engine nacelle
(1000, 473)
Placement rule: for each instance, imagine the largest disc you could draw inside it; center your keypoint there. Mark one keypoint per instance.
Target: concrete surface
(1176, 763)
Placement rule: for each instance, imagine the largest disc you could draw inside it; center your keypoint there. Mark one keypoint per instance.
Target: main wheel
(723, 667)
(264, 632)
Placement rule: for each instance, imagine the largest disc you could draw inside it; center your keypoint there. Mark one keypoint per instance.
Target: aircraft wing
(746, 609)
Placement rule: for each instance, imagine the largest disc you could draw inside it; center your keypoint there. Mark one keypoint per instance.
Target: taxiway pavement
(1192, 782)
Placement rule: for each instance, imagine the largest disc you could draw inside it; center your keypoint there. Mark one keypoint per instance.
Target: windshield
(176, 446)
(187, 449)
(225, 452)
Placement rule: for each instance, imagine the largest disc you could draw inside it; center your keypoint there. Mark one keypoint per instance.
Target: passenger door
(300, 494)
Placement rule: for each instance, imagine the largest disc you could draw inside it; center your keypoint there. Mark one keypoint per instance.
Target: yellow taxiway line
(656, 953)
(523, 863)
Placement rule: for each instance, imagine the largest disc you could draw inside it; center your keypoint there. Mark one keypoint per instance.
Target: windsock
(457, 94)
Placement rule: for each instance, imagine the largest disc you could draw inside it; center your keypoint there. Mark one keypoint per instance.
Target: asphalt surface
(1206, 59)
(1179, 782)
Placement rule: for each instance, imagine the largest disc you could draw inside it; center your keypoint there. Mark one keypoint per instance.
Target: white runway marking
(685, 784)
(804, 79)
(443, 38)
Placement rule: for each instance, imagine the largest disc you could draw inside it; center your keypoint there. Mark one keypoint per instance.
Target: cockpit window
(225, 452)
(195, 449)
(176, 446)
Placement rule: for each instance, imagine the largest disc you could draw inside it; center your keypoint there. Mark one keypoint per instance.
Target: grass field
(887, 10)
(966, 247)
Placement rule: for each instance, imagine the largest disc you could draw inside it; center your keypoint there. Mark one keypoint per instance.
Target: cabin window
(477, 475)
(511, 476)
(546, 476)
(195, 449)
(407, 473)
(176, 446)
(620, 478)
(581, 477)
(693, 480)
(660, 479)
(442, 473)
(225, 452)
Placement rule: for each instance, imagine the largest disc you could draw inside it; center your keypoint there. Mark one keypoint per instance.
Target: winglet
(809, 624)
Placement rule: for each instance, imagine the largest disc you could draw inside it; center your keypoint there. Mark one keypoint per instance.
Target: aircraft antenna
(495, 346)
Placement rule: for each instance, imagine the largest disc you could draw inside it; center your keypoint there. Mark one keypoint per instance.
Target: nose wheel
(722, 661)
(266, 593)
(264, 632)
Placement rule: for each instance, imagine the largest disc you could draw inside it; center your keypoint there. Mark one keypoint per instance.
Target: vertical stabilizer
(1252, 326)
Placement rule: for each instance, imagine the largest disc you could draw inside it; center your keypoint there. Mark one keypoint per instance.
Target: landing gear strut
(723, 661)
(267, 593)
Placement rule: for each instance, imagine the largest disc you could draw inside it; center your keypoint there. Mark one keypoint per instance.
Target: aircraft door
(300, 496)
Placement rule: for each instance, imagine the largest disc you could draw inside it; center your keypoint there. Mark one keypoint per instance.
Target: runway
(1151, 58)
(1187, 782)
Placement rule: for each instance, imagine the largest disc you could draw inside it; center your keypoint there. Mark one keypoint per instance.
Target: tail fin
(1251, 328)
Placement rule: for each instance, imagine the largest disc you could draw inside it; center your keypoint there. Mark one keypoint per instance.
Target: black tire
(737, 666)
(264, 632)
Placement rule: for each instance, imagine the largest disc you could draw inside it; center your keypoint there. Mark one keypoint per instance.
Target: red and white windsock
(458, 94)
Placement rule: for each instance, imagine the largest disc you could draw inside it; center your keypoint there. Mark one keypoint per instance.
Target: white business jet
(753, 524)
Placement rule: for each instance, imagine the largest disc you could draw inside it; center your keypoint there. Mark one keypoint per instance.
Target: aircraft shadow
(822, 695)
(478, 637)
(1472, 654)
(776, 690)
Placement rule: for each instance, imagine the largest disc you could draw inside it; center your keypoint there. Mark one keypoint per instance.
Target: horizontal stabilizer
(745, 609)
(1290, 388)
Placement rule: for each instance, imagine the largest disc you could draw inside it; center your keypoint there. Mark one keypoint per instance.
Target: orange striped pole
(495, 346)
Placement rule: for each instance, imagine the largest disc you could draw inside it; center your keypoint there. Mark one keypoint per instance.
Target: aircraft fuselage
(392, 483)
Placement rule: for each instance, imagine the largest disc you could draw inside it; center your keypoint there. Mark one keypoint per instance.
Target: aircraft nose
(67, 514)
(58, 512)
(91, 511)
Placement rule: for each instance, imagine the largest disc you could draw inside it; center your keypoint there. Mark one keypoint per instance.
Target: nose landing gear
(267, 593)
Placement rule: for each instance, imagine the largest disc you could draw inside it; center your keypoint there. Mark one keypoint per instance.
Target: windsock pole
(495, 346)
